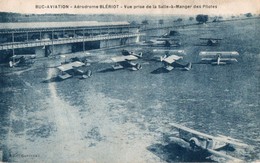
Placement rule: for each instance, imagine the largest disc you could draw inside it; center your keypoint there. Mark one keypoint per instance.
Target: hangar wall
(76, 47)
(117, 42)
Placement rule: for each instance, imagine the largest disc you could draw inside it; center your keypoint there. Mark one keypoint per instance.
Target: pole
(13, 45)
(83, 39)
(52, 42)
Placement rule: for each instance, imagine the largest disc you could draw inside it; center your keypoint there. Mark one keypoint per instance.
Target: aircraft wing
(219, 154)
(70, 66)
(231, 141)
(191, 131)
(206, 136)
(222, 59)
(124, 58)
(223, 54)
(172, 59)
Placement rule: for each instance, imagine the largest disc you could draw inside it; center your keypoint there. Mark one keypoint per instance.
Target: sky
(217, 7)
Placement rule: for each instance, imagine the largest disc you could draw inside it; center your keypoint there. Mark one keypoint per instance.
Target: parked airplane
(21, 60)
(165, 42)
(169, 34)
(211, 41)
(70, 69)
(198, 141)
(125, 61)
(218, 58)
(173, 61)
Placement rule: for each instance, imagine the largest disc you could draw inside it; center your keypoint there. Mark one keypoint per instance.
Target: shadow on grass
(51, 80)
(204, 45)
(106, 70)
(159, 71)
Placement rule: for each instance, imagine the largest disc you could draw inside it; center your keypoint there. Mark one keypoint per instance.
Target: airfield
(124, 116)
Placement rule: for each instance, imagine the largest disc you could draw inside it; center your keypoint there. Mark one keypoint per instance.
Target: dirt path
(67, 125)
(99, 131)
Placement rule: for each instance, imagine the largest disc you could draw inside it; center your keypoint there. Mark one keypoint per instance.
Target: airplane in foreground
(173, 61)
(197, 141)
(211, 41)
(219, 58)
(125, 61)
(71, 69)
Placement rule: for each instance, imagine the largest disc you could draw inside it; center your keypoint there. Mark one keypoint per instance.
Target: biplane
(170, 34)
(126, 61)
(173, 61)
(71, 69)
(198, 141)
(168, 39)
(21, 60)
(219, 58)
(211, 41)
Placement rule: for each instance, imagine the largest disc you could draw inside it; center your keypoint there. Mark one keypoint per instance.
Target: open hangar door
(76, 47)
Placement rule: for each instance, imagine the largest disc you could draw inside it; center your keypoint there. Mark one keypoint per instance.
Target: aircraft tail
(139, 55)
(138, 66)
(162, 58)
(188, 66)
(89, 73)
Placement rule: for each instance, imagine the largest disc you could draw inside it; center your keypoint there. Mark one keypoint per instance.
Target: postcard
(129, 81)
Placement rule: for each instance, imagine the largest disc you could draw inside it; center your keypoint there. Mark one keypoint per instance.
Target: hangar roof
(44, 25)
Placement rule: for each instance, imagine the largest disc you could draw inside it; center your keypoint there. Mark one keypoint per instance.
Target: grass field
(123, 116)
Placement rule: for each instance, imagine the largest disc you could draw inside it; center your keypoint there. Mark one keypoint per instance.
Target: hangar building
(52, 38)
